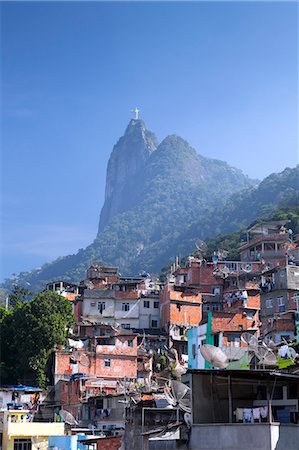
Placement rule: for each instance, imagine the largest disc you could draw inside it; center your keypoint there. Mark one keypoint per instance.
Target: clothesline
(251, 415)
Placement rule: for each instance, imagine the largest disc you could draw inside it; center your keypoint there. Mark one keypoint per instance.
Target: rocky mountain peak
(127, 160)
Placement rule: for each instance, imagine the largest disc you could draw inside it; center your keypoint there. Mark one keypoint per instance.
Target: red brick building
(180, 309)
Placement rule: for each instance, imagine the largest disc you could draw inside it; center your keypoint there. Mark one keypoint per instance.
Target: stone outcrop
(126, 162)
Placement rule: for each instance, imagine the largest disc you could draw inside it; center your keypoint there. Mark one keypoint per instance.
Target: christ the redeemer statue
(136, 112)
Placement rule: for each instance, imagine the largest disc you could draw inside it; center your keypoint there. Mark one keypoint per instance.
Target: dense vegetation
(29, 332)
(179, 197)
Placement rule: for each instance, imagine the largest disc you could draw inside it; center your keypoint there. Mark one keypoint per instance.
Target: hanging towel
(264, 411)
(247, 414)
(239, 414)
(256, 413)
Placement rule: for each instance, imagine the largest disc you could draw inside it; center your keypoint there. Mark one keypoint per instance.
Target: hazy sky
(221, 75)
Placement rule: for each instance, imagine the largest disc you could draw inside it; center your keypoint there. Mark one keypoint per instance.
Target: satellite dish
(81, 358)
(246, 267)
(67, 417)
(265, 356)
(178, 369)
(89, 284)
(178, 394)
(39, 443)
(222, 254)
(270, 344)
(224, 271)
(234, 353)
(201, 246)
(250, 340)
(214, 355)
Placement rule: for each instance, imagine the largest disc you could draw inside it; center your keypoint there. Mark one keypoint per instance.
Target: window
(107, 362)
(93, 304)
(22, 444)
(101, 307)
(250, 315)
(269, 303)
(126, 326)
(146, 303)
(286, 337)
(130, 343)
(193, 350)
(280, 301)
(156, 305)
(154, 323)
(125, 307)
(233, 338)
(106, 341)
(216, 290)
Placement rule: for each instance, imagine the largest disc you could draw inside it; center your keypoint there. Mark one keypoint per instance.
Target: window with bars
(22, 444)
(101, 307)
(125, 307)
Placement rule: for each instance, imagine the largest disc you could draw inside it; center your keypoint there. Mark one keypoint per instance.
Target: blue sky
(221, 75)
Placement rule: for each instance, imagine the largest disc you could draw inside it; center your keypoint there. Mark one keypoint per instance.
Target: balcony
(29, 429)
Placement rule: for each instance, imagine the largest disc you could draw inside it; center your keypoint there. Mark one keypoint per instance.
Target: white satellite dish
(67, 417)
(214, 355)
(89, 284)
(223, 271)
(246, 267)
(251, 340)
(178, 394)
(265, 356)
(39, 443)
(271, 344)
(234, 353)
(201, 246)
(222, 254)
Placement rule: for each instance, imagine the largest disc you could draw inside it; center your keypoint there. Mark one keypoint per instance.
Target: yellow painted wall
(22, 429)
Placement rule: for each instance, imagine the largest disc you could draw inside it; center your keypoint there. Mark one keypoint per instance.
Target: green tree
(18, 295)
(29, 333)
